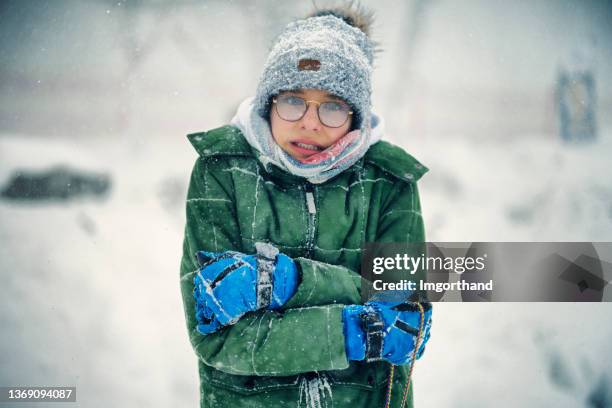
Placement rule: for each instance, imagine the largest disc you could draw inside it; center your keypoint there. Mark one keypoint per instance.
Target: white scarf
(257, 132)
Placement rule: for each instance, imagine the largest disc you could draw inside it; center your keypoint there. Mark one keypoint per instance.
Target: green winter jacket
(295, 356)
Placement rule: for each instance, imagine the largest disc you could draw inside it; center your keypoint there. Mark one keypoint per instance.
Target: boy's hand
(230, 284)
(207, 323)
(385, 331)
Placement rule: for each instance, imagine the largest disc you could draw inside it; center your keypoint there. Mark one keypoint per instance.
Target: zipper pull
(312, 209)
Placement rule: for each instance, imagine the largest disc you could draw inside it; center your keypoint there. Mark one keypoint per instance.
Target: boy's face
(306, 136)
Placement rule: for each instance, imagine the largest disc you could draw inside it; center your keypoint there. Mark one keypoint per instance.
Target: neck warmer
(317, 168)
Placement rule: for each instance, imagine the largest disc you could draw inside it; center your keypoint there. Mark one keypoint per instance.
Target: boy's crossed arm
(265, 341)
(309, 323)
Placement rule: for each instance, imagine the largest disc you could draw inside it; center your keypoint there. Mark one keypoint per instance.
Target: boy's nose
(310, 120)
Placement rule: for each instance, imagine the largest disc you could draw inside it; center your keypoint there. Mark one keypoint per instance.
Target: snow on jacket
(295, 356)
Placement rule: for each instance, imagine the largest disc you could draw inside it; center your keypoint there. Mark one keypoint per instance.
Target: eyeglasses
(292, 108)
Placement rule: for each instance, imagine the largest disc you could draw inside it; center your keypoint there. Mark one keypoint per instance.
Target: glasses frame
(275, 102)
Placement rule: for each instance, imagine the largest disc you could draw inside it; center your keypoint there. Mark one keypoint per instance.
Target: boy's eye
(293, 100)
(333, 106)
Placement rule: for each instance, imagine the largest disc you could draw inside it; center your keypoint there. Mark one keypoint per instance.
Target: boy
(279, 206)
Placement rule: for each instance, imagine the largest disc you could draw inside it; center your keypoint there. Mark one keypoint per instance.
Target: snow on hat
(322, 52)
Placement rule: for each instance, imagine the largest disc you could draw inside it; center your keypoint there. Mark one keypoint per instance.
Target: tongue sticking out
(331, 151)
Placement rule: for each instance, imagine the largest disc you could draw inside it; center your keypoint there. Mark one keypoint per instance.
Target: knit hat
(322, 52)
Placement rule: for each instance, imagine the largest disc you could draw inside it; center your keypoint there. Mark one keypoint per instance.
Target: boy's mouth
(307, 146)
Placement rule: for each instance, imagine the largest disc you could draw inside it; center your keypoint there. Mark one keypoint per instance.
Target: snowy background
(89, 290)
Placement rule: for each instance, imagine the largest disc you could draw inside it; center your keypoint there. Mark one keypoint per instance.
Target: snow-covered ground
(90, 292)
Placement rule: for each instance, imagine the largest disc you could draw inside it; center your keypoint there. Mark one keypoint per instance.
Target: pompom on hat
(321, 52)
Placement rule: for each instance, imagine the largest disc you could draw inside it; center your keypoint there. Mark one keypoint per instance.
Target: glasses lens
(290, 107)
(334, 114)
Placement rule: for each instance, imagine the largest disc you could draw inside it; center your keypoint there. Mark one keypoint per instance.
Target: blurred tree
(576, 105)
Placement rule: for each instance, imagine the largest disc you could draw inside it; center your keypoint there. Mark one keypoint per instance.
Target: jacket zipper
(312, 211)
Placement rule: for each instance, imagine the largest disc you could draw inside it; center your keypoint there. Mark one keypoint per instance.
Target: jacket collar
(229, 141)
(395, 160)
(223, 141)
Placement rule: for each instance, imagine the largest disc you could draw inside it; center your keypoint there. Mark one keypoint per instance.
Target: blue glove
(385, 331)
(207, 323)
(230, 284)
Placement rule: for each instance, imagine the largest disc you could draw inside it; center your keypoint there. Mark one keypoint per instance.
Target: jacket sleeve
(401, 219)
(401, 222)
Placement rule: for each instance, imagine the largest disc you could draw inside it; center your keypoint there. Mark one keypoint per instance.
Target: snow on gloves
(230, 284)
(385, 331)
